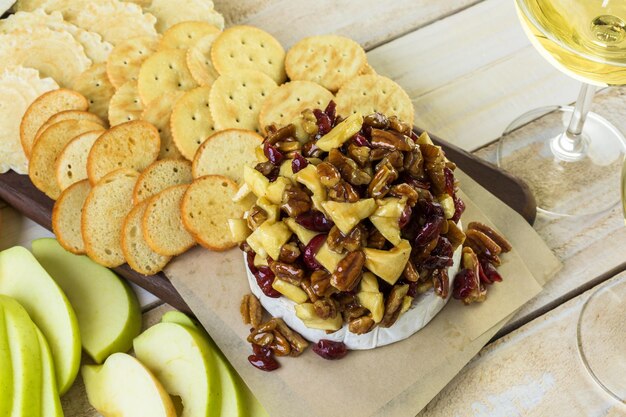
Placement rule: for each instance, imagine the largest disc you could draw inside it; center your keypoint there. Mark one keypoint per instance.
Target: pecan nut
(379, 186)
(483, 241)
(410, 272)
(348, 272)
(388, 139)
(329, 175)
(361, 325)
(348, 168)
(325, 308)
(360, 154)
(256, 216)
(493, 235)
(399, 126)
(393, 304)
(455, 235)
(287, 272)
(320, 283)
(296, 342)
(435, 162)
(340, 243)
(295, 201)
(405, 191)
(280, 345)
(343, 192)
(376, 120)
(251, 310)
(289, 252)
(376, 239)
(441, 282)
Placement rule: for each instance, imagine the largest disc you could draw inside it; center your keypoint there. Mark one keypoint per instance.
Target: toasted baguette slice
(66, 216)
(161, 175)
(70, 115)
(138, 254)
(133, 145)
(43, 108)
(207, 205)
(49, 145)
(71, 164)
(162, 224)
(225, 153)
(104, 212)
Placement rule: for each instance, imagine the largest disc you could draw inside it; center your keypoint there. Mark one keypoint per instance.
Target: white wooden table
(469, 70)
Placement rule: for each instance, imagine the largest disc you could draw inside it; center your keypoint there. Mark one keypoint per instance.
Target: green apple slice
(123, 387)
(92, 290)
(233, 401)
(6, 368)
(184, 362)
(25, 359)
(50, 401)
(22, 278)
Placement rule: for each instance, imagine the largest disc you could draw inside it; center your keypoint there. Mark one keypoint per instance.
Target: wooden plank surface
(535, 371)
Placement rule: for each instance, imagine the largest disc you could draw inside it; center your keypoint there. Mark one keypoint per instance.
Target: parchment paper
(396, 380)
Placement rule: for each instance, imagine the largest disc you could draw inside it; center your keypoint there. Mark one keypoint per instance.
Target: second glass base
(587, 186)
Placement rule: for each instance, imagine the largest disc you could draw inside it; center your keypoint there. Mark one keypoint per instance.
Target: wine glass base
(602, 339)
(564, 187)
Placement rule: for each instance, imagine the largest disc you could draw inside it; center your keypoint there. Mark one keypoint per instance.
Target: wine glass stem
(572, 145)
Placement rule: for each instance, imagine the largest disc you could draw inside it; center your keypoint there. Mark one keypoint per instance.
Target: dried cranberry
(449, 180)
(298, 163)
(263, 363)
(459, 208)
(310, 250)
(483, 278)
(360, 140)
(262, 351)
(405, 217)
(412, 292)
(415, 182)
(489, 271)
(272, 153)
(328, 349)
(264, 278)
(331, 110)
(464, 284)
(315, 220)
(366, 131)
(324, 123)
(429, 231)
(250, 259)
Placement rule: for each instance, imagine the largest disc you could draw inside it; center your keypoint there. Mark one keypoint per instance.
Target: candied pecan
(309, 122)
(393, 304)
(343, 192)
(287, 272)
(320, 283)
(340, 243)
(441, 282)
(399, 126)
(410, 272)
(482, 252)
(256, 216)
(289, 145)
(310, 150)
(329, 176)
(455, 235)
(289, 252)
(435, 162)
(493, 235)
(393, 158)
(376, 239)
(352, 312)
(283, 133)
(348, 272)
(421, 253)
(384, 176)
(325, 308)
(280, 345)
(388, 139)
(261, 339)
(361, 325)
(265, 168)
(349, 169)
(483, 241)
(308, 289)
(376, 120)
(360, 154)
(296, 342)
(295, 201)
(378, 154)
(251, 310)
(467, 284)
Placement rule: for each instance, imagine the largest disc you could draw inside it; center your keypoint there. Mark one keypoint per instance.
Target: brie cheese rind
(5, 5)
(422, 310)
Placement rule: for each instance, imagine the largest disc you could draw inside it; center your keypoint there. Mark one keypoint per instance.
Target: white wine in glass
(570, 157)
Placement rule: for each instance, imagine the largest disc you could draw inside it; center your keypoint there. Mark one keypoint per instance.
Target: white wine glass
(570, 157)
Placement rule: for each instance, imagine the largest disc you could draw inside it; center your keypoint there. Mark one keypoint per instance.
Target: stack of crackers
(143, 143)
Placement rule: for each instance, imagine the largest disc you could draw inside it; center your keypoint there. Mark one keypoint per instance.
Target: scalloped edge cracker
(168, 13)
(94, 84)
(126, 58)
(125, 105)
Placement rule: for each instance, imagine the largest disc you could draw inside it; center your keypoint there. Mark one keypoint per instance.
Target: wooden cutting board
(19, 192)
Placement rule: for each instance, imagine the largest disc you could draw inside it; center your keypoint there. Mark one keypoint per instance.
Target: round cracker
(206, 207)
(105, 209)
(69, 115)
(191, 122)
(19, 87)
(133, 145)
(116, 21)
(158, 112)
(199, 60)
(328, 60)
(161, 175)
(247, 47)
(66, 216)
(288, 101)
(94, 84)
(226, 153)
(169, 13)
(49, 145)
(44, 107)
(71, 164)
(125, 105)
(184, 34)
(236, 99)
(367, 70)
(126, 58)
(163, 72)
(136, 251)
(162, 223)
(373, 93)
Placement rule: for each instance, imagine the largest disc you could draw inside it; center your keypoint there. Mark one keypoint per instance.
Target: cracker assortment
(145, 154)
